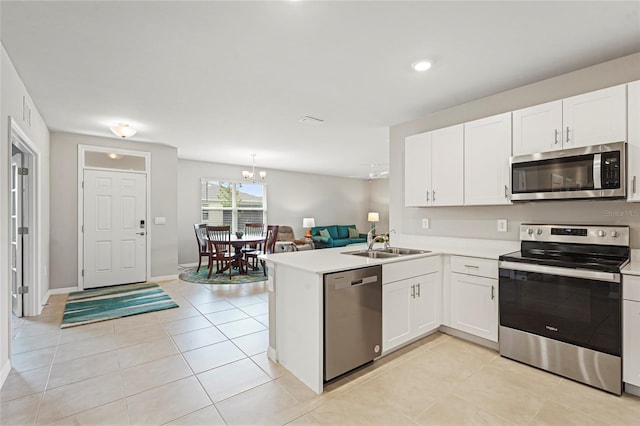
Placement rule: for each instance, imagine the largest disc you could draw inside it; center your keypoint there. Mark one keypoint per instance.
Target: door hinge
(23, 230)
(23, 290)
(83, 272)
(23, 171)
(82, 184)
(82, 228)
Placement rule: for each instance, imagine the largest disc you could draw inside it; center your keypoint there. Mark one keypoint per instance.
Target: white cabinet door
(396, 317)
(631, 342)
(595, 117)
(537, 128)
(447, 155)
(426, 309)
(417, 170)
(474, 305)
(487, 147)
(633, 145)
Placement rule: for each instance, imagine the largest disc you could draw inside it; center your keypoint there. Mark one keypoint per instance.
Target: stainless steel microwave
(597, 171)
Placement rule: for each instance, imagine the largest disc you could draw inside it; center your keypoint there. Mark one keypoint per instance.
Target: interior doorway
(23, 232)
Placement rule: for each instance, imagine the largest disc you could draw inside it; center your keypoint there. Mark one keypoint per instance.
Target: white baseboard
(633, 390)
(164, 278)
(188, 265)
(272, 354)
(6, 368)
(63, 290)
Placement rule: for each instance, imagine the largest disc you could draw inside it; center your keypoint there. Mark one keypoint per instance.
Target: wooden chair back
(201, 234)
(220, 239)
(271, 238)
(254, 229)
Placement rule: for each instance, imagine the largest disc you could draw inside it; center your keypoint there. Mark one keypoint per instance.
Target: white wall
(480, 222)
(64, 210)
(12, 91)
(290, 197)
(379, 202)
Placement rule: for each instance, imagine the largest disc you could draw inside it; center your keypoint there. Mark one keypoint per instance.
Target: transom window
(233, 204)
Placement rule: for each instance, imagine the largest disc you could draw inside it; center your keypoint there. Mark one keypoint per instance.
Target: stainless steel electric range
(561, 304)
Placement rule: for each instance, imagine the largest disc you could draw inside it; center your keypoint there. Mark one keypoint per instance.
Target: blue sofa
(338, 236)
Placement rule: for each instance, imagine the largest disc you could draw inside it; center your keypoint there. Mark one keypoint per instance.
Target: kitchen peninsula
(295, 281)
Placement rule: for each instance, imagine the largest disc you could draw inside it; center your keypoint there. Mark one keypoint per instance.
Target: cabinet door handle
(555, 137)
(472, 266)
(434, 195)
(418, 292)
(633, 185)
(427, 195)
(413, 291)
(506, 190)
(567, 134)
(493, 292)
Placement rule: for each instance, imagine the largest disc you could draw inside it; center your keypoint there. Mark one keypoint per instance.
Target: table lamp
(373, 217)
(308, 222)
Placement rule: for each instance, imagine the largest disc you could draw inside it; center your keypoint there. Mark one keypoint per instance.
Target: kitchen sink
(373, 254)
(401, 251)
(385, 253)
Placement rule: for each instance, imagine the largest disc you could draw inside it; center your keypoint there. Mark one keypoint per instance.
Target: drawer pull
(493, 292)
(472, 266)
(418, 293)
(413, 291)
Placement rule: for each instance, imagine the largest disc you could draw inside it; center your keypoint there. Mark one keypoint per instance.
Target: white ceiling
(222, 80)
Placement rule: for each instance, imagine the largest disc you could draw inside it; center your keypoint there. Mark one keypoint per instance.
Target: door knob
(139, 233)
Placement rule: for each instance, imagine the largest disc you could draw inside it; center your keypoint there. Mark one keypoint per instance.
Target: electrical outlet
(502, 225)
(425, 223)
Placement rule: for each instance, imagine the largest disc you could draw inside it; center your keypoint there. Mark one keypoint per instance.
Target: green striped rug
(100, 304)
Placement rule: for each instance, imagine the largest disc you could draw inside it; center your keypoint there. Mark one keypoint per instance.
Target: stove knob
(530, 231)
(539, 231)
(614, 234)
(602, 234)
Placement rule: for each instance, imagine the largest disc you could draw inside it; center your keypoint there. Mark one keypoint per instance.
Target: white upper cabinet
(590, 119)
(595, 117)
(633, 142)
(447, 159)
(487, 147)
(417, 170)
(433, 168)
(538, 128)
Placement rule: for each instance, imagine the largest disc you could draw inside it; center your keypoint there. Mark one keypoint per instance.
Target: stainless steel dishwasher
(352, 319)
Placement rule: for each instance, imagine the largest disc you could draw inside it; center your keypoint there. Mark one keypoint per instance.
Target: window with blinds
(232, 203)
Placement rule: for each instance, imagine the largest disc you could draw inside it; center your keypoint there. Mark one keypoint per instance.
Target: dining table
(239, 243)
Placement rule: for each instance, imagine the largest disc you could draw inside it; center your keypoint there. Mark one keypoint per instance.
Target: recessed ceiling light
(421, 65)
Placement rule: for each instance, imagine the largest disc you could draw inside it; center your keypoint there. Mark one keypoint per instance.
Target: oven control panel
(582, 234)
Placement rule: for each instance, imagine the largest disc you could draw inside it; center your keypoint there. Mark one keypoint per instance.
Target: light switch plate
(425, 223)
(159, 220)
(502, 225)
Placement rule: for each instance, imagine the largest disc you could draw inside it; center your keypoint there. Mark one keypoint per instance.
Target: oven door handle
(563, 272)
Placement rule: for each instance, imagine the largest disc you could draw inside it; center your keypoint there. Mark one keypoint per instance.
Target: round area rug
(200, 277)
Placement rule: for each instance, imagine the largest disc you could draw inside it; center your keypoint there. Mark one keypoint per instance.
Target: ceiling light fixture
(421, 65)
(123, 130)
(251, 175)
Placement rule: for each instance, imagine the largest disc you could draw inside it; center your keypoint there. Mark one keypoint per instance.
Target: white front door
(17, 226)
(115, 240)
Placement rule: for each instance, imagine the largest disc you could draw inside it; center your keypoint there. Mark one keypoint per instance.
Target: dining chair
(203, 247)
(219, 239)
(269, 247)
(253, 230)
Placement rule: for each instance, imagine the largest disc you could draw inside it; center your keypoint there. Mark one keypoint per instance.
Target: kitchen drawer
(631, 287)
(475, 266)
(402, 270)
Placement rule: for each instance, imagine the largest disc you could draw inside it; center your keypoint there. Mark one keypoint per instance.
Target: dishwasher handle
(340, 283)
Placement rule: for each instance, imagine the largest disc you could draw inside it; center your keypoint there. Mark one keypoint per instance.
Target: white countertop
(323, 261)
(633, 268)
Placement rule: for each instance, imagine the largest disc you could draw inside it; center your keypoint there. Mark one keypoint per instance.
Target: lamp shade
(373, 217)
(308, 222)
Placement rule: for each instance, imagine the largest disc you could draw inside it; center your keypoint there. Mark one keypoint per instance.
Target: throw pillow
(324, 233)
(353, 233)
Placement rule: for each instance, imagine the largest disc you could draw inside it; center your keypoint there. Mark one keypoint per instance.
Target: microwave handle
(597, 171)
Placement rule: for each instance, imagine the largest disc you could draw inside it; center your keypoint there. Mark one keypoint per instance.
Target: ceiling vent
(311, 121)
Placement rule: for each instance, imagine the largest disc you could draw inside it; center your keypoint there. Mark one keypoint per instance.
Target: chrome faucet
(378, 239)
(388, 238)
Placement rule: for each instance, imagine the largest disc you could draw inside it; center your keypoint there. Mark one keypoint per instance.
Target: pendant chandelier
(251, 175)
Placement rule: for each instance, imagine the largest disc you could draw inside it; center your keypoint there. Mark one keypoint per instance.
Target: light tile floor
(205, 363)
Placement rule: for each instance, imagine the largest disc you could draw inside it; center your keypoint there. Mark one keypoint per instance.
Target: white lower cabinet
(411, 307)
(631, 330)
(473, 298)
